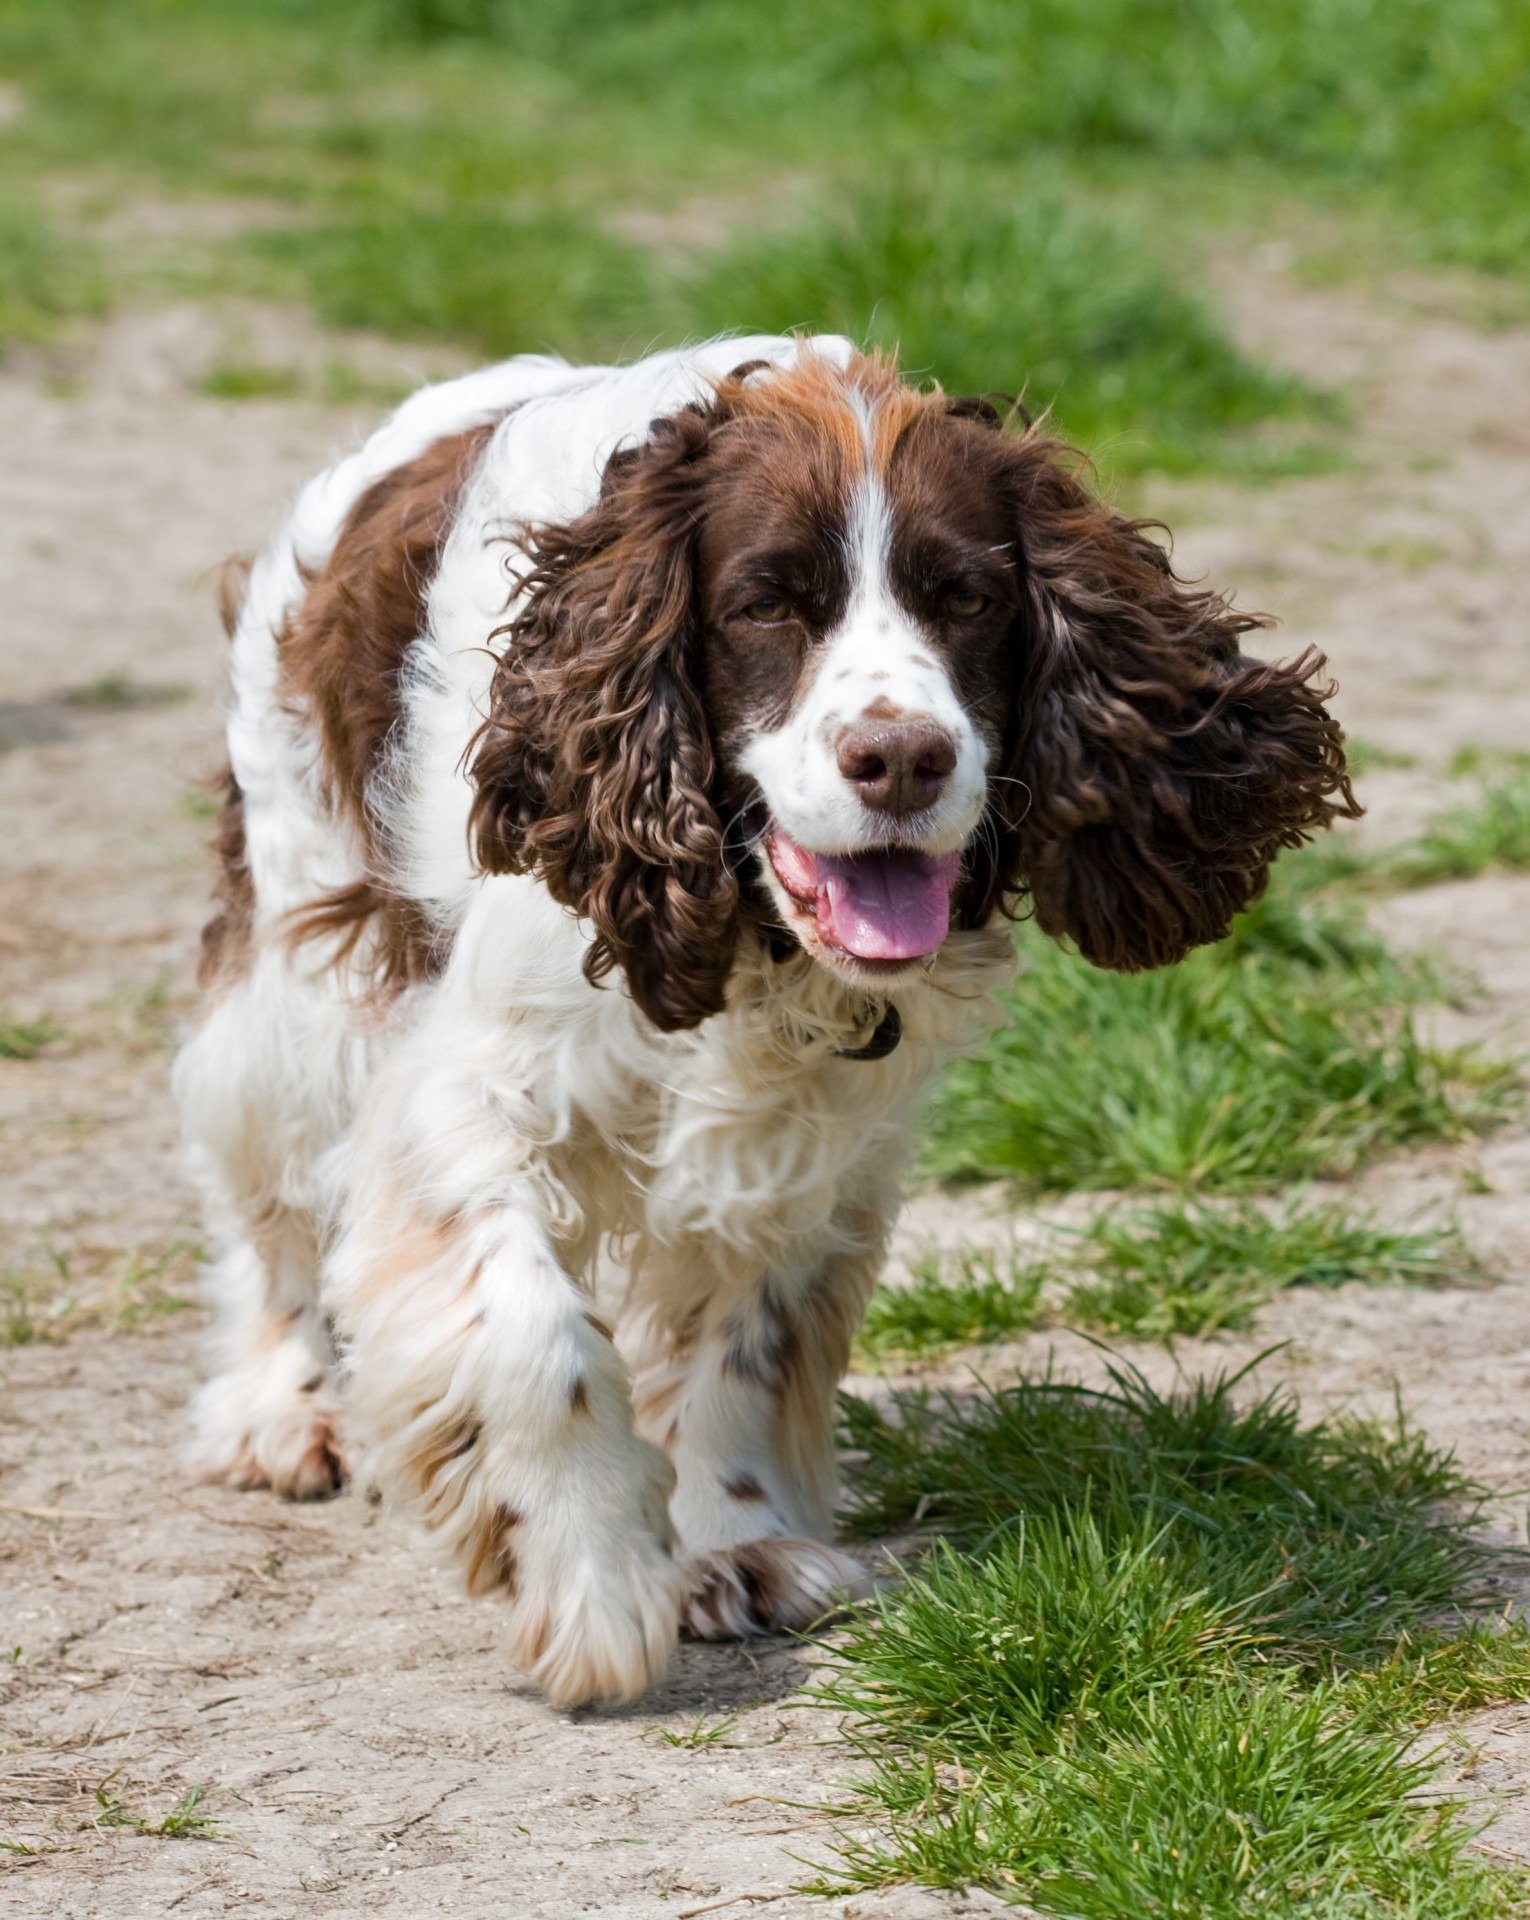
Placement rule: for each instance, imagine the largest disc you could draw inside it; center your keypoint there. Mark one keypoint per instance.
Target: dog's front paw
(595, 1594)
(767, 1586)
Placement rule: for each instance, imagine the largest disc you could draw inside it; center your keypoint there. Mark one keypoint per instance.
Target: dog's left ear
(594, 768)
(1152, 771)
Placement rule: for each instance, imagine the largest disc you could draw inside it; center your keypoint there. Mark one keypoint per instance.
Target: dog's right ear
(594, 769)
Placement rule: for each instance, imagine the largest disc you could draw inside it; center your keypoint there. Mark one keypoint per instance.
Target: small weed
(1490, 832)
(46, 276)
(250, 380)
(25, 1039)
(54, 1296)
(705, 1733)
(119, 693)
(184, 1821)
(1364, 756)
(1487, 760)
(938, 1310)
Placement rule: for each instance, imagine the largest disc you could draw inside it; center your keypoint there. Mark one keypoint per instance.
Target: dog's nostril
(862, 764)
(897, 766)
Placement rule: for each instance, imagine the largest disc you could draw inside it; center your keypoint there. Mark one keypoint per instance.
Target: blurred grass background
(1019, 194)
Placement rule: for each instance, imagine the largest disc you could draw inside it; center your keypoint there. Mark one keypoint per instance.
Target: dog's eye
(770, 610)
(962, 605)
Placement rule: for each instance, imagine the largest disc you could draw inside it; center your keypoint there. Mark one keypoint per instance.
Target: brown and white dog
(630, 773)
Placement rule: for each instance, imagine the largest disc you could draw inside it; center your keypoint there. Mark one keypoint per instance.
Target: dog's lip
(884, 907)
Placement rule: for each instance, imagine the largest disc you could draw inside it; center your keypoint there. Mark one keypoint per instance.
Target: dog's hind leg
(265, 1087)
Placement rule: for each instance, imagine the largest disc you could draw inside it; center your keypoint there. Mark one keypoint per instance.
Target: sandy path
(361, 1741)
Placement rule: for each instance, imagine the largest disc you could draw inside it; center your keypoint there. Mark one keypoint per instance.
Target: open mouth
(888, 904)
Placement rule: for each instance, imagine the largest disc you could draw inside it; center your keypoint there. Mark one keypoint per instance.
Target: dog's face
(858, 660)
(845, 658)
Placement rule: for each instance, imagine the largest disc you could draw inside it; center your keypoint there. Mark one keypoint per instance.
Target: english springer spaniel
(631, 774)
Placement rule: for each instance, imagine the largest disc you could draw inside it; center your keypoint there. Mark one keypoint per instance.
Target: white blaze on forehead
(878, 657)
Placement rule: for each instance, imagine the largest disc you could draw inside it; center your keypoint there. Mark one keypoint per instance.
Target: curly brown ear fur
(1160, 770)
(594, 769)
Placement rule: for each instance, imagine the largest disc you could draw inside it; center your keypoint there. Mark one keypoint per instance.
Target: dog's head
(849, 659)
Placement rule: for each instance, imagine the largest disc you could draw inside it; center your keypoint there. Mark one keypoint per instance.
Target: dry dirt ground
(357, 1735)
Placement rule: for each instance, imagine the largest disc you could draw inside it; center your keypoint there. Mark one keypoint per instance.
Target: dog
(632, 774)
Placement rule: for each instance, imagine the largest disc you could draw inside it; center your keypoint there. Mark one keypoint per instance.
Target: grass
(1180, 1269)
(51, 1297)
(45, 276)
(939, 1310)
(1491, 831)
(1186, 1268)
(601, 178)
(121, 693)
(184, 1821)
(1169, 1657)
(1069, 305)
(1290, 1051)
(25, 1039)
(250, 380)
(702, 1733)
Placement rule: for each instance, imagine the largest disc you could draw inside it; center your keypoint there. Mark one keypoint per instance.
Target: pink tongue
(885, 906)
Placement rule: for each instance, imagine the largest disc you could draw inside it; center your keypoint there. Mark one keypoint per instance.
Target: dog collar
(889, 1031)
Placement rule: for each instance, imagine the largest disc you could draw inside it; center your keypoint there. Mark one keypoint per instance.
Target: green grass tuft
(938, 1310)
(1490, 832)
(44, 277)
(1003, 289)
(250, 380)
(1181, 1671)
(1289, 1052)
(183, 1821)
(120, 693)
(1188, 1268)
(25, 1039)
(1184, 1268)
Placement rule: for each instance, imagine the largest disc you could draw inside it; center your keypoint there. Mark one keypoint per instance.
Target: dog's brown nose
(897, 766)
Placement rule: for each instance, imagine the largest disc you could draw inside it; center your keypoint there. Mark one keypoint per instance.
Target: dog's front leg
(737, 1382)
(492, 1398)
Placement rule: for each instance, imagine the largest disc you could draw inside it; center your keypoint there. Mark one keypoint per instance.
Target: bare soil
(358, 1737)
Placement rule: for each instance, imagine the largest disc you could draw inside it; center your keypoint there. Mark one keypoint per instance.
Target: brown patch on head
(882, 709)
(579, 1396)
(342, 655)
(491, 1562)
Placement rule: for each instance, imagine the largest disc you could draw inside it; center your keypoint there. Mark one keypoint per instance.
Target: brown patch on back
(228, 592)
(342, 654)
(229, 936)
